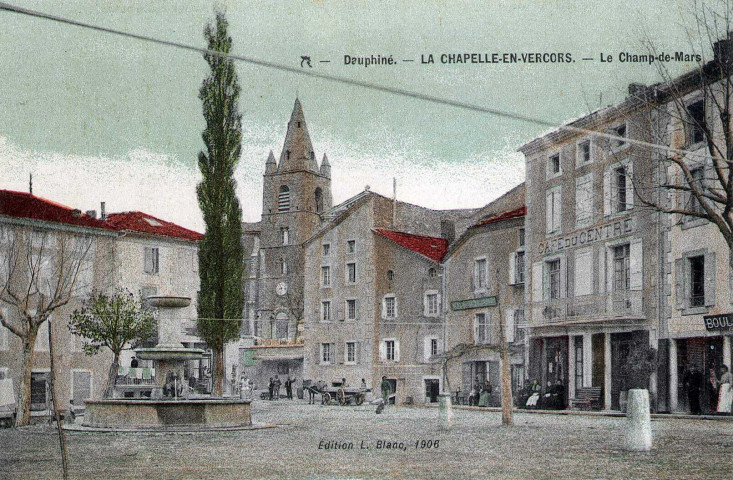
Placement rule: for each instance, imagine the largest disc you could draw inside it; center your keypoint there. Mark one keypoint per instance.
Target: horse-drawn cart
(342, 395)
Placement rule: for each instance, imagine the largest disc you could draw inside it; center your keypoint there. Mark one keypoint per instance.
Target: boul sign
(719, 322)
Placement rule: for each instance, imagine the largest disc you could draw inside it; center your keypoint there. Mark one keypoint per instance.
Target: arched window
(390, 275)
(283, 199)
(319, 200)
(432, 272)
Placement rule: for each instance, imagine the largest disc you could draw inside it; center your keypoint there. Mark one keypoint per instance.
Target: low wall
(132, 413)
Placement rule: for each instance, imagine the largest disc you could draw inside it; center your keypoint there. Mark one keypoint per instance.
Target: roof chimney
(448, 230)
(103, 211)
(637, 90)
(76, 213)
(91, 213)
(723, 50)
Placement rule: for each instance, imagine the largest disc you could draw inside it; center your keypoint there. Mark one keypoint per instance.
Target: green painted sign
(473, 303)
(249, 358)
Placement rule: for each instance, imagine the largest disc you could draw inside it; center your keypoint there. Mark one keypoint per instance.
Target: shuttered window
(583, 200)
(151, 260)
(283, 199)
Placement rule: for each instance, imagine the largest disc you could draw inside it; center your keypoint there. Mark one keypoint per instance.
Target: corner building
(592, 253)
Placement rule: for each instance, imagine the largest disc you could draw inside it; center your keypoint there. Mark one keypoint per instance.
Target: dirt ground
(476, 446)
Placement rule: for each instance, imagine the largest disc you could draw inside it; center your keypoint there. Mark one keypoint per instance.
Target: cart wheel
(360, 398)
(326, 398)
(341, 397)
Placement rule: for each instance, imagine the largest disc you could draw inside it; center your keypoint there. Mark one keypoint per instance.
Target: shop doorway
(432, 389)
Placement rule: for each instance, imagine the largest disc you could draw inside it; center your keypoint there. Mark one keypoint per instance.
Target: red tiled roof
(519, 212)
(25, 205)
(143, 223)
(432, 247)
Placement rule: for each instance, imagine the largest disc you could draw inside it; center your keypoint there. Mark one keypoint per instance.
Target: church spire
(325, 167)
(270, 165)
(297, 153)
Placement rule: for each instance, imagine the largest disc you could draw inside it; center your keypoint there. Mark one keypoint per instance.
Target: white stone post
(672, 375)
(638, 421)
(607, 372)
(726, 352)
(446, 411)
(587, 360)
(571, 366)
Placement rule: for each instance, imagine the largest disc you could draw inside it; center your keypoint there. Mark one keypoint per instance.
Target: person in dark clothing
(386, 389)
(289, 388)
(694, 381)
(271, 388)
(134, 363)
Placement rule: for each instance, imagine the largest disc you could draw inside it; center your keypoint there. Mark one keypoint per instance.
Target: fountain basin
(161, 414)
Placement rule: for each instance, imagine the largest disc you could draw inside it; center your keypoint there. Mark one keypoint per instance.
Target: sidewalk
(590, 413)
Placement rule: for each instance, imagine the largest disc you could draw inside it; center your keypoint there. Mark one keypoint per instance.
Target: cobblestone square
(476, 446)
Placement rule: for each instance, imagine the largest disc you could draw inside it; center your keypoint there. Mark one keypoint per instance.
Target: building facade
(592, 252)
(484, 276)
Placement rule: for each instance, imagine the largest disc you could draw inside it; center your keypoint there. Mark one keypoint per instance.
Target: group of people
(720, 389)
(480, 395)
(274, 388)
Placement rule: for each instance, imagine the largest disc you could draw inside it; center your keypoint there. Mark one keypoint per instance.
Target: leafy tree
(114, 322)
(221, 255)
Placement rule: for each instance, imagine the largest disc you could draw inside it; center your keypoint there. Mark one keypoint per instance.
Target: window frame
(551, 173)
(349, 280)
(579, 154)
(385, 309)
(427, 312)
(347, 309)
(482, 320)
(480, 273)
(326, 312)
(326, 275)
(346, 353)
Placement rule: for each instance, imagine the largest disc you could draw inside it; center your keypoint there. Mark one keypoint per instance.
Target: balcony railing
(610, 305)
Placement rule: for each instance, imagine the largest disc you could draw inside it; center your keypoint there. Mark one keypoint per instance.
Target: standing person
(134, 363)
(363, 385)
(271, 388)
(712, 389)
(276, 387)
(386, 389)
(694, 382)
(725, 397)
(289, 388)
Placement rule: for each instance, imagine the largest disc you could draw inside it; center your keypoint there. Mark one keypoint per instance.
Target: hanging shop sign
(473, 303)
(723, 321)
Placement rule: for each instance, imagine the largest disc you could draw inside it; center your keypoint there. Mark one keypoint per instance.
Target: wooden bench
(586, 398)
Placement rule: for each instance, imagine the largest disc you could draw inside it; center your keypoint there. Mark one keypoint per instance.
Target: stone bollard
(446, 411)
(638, 421)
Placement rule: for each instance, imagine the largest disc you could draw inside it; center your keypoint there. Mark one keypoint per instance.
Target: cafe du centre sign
(588, 236)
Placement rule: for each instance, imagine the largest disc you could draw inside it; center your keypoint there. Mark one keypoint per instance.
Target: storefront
(704, 354)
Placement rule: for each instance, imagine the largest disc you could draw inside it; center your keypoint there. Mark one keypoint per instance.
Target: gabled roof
(519, 212)
(141, 222)
(432, 247)
(24, 205)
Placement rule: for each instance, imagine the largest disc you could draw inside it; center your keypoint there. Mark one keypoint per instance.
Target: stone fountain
(161, 412)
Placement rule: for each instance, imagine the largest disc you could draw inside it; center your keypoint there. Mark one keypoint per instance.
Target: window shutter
(489, 328)
(357, 352)
(710, 271)
(548, 210)
(147, 259)
(537, 282)
(356, 309)
(583, 282)
(563, 277)
(602, 270)
(382, 350)
(340, 353)
(513, 268)
(629, 186)
(557, 211)
(396, 350)
(466, 377)
(509, 325)
(635, 265)
(679, 283)
(426, 349)
(607, 192)
(475, 329)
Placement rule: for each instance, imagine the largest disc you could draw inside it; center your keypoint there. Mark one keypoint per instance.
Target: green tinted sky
(98, 117)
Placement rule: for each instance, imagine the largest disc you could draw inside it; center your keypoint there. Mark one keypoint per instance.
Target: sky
(97, 117)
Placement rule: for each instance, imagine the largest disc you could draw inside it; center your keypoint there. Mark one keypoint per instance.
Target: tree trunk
(112, 376)
(56, 407)
(507, 401)
(24, 390)
(218, 386)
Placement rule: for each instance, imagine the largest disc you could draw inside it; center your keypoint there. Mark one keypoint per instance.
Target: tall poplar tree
(220, 252)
